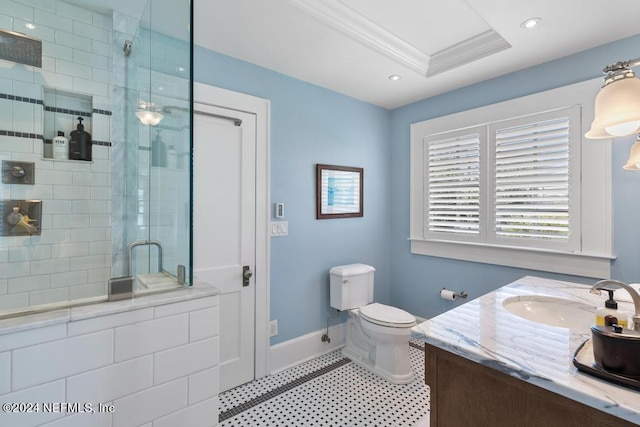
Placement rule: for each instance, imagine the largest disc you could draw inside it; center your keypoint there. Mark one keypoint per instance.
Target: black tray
(583, 360)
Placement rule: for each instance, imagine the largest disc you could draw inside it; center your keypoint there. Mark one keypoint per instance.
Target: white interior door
(224, 225)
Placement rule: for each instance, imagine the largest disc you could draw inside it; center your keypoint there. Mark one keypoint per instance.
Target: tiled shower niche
(61, 112)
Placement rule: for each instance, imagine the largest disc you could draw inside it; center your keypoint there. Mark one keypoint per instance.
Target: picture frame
(339, 191)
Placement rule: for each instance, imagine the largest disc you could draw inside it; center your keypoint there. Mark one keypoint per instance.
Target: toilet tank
(351, 286)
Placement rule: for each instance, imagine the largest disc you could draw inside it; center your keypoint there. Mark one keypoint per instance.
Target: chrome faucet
(144, 243)
(611, 285)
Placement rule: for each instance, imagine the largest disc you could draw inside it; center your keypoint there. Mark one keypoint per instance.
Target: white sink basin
(551, 311)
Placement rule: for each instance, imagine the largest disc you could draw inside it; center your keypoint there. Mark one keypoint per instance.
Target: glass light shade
(617, 109)
(633, 164)
(147, 117)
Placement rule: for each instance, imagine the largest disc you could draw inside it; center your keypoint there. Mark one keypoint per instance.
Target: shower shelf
(51, 159)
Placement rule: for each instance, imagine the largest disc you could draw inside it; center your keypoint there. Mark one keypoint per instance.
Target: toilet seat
(385, 315)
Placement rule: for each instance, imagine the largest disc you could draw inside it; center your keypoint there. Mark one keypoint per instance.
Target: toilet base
(386, 355)
(394, 377)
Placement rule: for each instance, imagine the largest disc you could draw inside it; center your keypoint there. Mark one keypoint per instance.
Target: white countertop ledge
(483, 331)
(70, 314)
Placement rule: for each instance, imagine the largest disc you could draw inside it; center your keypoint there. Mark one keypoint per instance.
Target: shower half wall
(91, 210)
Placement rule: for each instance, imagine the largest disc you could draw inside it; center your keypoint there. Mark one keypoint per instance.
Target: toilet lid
(386, 315)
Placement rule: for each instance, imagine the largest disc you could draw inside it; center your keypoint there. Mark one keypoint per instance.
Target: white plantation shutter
(453, 183)
(506, 183)
(533, 178)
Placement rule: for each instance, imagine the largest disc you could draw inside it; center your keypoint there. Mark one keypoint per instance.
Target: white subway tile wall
(167, 382)
(58, 359)
(5, 373)
(72, 257)
(156, 335)
(49, 392)
(200, 385)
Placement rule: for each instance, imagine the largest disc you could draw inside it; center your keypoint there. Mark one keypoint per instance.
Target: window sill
(577, 264)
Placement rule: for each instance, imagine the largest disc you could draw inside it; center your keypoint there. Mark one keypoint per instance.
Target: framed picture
(339, 191)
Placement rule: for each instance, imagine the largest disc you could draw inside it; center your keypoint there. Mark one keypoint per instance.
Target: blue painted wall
(311, 125)
(416, 279)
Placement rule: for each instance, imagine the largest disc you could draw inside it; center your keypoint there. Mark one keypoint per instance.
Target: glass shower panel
(158, 195)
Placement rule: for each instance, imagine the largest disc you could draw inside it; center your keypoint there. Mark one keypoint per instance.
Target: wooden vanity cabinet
(469, 394)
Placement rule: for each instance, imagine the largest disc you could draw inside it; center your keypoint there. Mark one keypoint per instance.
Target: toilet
(377, 334)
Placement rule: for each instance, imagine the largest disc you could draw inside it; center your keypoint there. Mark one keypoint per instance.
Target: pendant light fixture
(633, 164)
(149, 114)
(617, 105)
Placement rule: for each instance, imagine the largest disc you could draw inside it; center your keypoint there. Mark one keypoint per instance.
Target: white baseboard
(293, 352)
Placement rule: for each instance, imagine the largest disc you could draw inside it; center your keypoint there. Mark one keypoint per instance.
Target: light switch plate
(279, 228)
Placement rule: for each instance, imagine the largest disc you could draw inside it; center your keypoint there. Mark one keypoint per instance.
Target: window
(535, 162)
(504, 184)
(452, 184)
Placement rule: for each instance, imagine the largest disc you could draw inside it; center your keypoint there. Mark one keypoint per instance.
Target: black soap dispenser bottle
(158, 151)
(80, 143)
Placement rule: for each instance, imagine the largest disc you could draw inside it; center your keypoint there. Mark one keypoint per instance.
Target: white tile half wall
(148, 362)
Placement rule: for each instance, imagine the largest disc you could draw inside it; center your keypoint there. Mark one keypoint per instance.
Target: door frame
(261, 108)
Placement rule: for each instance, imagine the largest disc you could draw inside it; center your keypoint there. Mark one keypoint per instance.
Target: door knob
(246, 275)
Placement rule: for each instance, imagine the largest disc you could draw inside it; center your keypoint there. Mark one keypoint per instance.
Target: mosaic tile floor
(329, 391)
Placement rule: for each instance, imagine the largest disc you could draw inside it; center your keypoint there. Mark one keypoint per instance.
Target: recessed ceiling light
(394, 77)
(30, 26)
(531, 23)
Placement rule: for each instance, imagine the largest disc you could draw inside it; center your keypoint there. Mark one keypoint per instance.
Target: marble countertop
(102, 307)
(482, 330)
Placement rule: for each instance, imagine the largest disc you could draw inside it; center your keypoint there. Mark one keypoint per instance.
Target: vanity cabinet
(465, 393)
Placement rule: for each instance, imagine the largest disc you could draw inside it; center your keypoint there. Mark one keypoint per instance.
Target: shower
(93, 209)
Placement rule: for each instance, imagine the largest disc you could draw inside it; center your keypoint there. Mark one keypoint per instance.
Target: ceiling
(353, 46)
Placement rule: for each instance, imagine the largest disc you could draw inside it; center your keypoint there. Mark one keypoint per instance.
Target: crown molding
(360, 28)
(469, 50)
